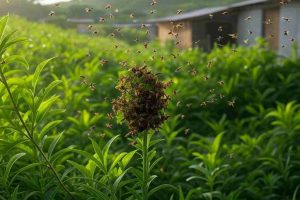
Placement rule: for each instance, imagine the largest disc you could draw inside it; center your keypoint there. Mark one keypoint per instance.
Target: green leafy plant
(211, 167)
(103, 172)
(29, 121)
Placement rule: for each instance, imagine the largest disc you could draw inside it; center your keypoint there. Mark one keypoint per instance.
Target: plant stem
(30, 135)
(145, 166)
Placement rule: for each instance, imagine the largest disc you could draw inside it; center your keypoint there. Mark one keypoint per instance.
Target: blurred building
(137, 25)
(81, 24)
(276, 20)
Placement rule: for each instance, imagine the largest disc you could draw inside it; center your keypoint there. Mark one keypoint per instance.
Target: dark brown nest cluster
(142, 100)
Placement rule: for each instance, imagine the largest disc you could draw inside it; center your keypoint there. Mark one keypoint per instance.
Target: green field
(232, 134)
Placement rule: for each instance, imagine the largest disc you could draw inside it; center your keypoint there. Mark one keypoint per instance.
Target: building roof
(206, 11)
(130, 25)
(81, 21)
(192, 14)
(247, 3)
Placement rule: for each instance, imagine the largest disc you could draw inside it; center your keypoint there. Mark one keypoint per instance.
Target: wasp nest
(142, 101)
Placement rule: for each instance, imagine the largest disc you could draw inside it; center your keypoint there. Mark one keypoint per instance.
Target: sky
(51, 1)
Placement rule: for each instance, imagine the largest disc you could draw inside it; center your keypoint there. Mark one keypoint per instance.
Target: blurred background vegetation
(34, 11)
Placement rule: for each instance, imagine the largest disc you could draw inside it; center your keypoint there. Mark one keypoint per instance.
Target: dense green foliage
(57, 139)
(24, 8)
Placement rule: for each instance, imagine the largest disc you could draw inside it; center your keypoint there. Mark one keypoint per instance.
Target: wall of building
(255, 25)
(83, 28)
(184, 34)
(205, 31)
(163, 30)
(199, 35)
(292, 11)
(153, 31)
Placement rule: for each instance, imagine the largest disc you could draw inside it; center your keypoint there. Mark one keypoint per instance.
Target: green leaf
(106, 149)
(45, 105)
(181, 195)
(81, 168)
(134, 193)
(4, 41)
(98, 152)
(38, 71)
(16, 81)
(116, 160)
(295, 192)
(155, 163)
(118, 180)
(155, 142)
(91, 157)
(151, 179)
(49, 126)
(17, 59)
(216, 143)
(50, 87)
(160, 187)
(24, 169)
(3, 23)
(9, 145)
(196, 177)
(29, 196)
(16, 40)
(127, 158)
(60, 153)
(10, 164)
(53, 144)
(99, 195)
(14, 195)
